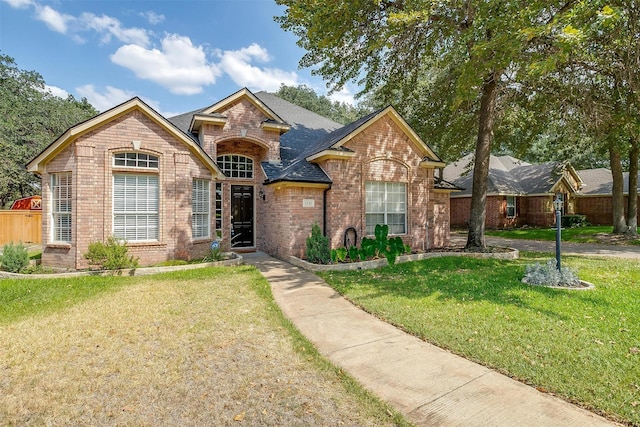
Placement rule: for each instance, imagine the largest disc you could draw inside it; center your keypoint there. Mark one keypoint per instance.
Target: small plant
(548, 275)
(112, 255)
(354, 254)
(14, 257)
(318, 247)
(215, 254)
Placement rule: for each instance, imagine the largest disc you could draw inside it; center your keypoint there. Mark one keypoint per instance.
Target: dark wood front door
(242, 216)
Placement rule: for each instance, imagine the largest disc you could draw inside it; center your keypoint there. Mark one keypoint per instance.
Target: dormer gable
(215, 113)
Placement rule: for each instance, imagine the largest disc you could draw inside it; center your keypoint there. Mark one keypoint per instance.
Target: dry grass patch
(195, 348)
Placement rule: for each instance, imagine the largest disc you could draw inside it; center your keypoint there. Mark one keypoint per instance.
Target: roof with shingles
(309, 134)
(599, 182)
(507, 175)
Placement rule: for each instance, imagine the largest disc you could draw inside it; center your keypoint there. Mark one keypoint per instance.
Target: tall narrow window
(219, 210)
(236, 166)
(201, 208)
(61, 207)
(135, 207)
(386, 203)
(511, 206)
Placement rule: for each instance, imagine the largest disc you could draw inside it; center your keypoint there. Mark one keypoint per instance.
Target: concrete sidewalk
(430, 386)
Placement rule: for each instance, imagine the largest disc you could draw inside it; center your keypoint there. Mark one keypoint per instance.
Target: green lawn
(577, 235)
(581, 345)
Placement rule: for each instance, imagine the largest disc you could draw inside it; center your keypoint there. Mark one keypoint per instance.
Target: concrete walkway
(430, 386)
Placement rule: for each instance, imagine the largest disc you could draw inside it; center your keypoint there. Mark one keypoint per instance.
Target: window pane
(386, 203)
(61, 192)
(135, 207)
(236, 166)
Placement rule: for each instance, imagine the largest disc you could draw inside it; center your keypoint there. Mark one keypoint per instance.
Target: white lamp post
(557, 205)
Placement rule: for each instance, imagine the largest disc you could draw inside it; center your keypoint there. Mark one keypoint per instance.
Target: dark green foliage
(371, 248)
(14, 257)
(306, 97)
(354, 253)
(112, 255)
(318, 247)
(30, 119)
(571, 221)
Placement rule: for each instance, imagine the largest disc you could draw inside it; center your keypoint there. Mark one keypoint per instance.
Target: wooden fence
(20, 226)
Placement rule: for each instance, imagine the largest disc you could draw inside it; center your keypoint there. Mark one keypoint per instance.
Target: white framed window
(511, 206)
(236, 166)
(200, 208)
(219, 210)
(135, 207)
(61, 198)
(386, 203)
(135, 160)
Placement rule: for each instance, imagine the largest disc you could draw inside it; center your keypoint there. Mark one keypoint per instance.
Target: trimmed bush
(318, 247)
(14, 257)
(572, 221)
(112, 255)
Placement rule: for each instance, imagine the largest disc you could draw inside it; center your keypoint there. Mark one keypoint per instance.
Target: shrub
(318, 247)
(214, 255)
(548, 275)
(14, 257)
(572, 221)
(112, 255)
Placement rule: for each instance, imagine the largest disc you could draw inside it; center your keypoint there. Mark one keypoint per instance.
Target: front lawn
(581, 345)
(590, 234)
(198, 347)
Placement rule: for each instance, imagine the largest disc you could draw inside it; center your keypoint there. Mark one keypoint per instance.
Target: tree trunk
(617, 195)
(486, 118)
(632, 203)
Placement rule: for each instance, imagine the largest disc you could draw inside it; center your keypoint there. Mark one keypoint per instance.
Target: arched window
(236, 166)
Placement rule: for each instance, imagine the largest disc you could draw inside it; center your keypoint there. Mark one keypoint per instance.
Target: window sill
(58, 245)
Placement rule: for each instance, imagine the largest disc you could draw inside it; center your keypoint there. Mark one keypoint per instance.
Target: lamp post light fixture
(557, 205)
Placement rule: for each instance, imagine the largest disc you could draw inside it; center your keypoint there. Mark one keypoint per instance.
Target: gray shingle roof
(600, 182)
(507, 175)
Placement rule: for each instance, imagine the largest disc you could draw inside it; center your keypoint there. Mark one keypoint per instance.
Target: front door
(242, 216)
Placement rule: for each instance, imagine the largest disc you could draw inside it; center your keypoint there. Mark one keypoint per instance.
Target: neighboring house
(518, 193)
(252, 170)
(31, 203)
(595, 196)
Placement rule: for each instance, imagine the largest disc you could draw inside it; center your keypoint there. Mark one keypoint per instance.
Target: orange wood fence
(20, 226)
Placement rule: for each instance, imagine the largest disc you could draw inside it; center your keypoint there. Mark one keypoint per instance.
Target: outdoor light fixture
(557, 205)
(261, 194)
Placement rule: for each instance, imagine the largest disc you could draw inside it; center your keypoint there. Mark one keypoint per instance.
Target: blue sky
(177, 55)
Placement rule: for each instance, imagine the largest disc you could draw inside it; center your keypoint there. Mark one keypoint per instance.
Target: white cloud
(178, 66)
(343, 95)
(152, 17)
(55, 20)
(238, 65)
(19, 4)
(56, 91)
(110, 27)
(108, 99)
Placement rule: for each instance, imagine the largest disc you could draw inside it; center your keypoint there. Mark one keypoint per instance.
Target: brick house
(252, 171)
(519, 193)
(594, 200)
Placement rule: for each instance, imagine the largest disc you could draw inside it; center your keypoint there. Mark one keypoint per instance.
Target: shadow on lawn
(459, 279)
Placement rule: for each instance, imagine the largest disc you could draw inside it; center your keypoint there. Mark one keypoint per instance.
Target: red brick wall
(528, 211)
(383, 153)
(598, 209)
(90, 159)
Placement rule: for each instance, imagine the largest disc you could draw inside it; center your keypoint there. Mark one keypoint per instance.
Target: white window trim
(386, 204)
(229, 167)
(56, 202)
(152, 233)
(201, 209)
(515, 211)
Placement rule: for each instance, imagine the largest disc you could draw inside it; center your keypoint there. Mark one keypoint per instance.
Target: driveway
(585, 249)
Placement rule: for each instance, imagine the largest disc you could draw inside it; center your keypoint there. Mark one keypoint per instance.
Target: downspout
(324, 210)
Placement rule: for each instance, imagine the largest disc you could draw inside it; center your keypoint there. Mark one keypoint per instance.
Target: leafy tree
(395, 46)
(30, 119)
(306, 97)
(597, 89)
